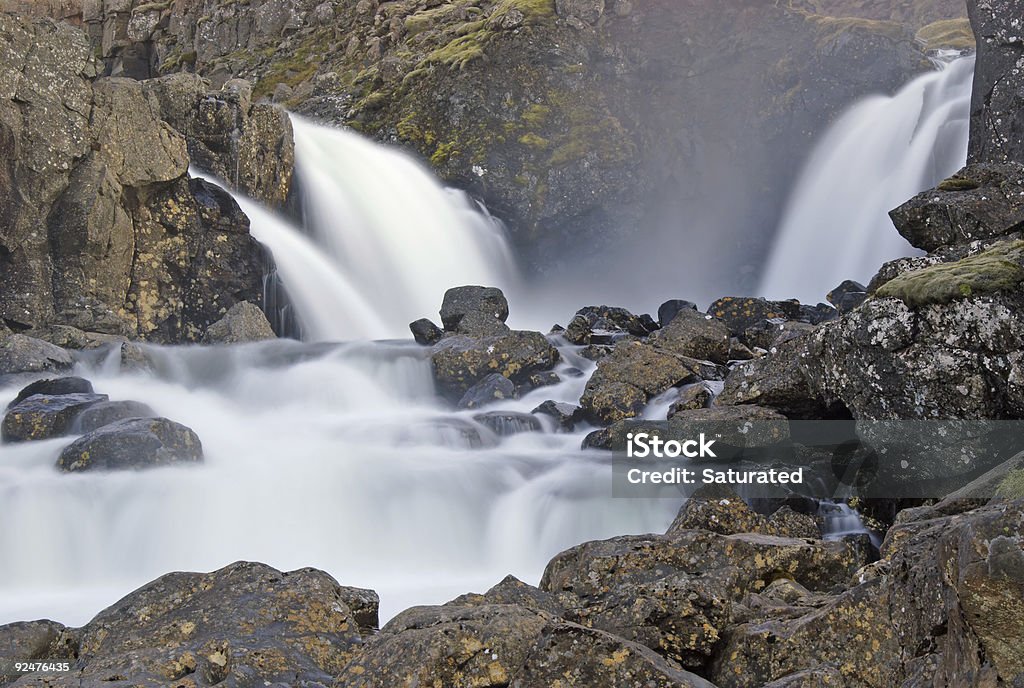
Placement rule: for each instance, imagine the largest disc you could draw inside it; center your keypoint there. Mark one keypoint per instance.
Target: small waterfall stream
(877, 155)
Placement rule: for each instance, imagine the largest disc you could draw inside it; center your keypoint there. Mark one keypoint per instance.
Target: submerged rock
(133, 443)
(507, 423)
(494, 387)
(244, 322)
(41, 416)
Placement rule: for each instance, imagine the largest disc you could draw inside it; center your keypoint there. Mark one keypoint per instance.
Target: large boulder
(981, 202)
(477, 311)
(29, 641)
(41, 416)
(22, 354)
(107, 412)
(244, 623)
(997, 108)
(133, 443)
(459, 362)
(695, 335)
(53, 386)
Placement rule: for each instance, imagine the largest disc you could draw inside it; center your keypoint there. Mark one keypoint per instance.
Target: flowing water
(876, 156)
(337, 456)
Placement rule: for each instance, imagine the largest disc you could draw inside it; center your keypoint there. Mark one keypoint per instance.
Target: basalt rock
(508, 423)
(133, 443)
(21, 354)
(734, 426)
(694, 335)
(52, 387)
(244, 322)
(603, 325)
(41, 416)
(997, 106)
(564, 415)
(691, 398)
(847, 296)
(720, 510)
(494, 387)
(28, 641)
(671, 308)
(981, 202)
(459, 362)
(107, 412)
(246, 622)
(476, 311)
(425, 332)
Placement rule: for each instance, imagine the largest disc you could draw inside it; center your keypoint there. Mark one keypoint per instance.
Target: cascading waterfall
(337, 456)
(876, 156)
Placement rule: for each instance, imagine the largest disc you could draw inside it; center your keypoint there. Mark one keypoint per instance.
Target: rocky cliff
(101, 228)
(575, 121)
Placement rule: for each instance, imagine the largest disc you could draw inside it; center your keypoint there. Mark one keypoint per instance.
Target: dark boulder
(997, 106)
(740, 313)
(691, 398)
(54, 387)
(425, 332)
(694, 335)
(494, 387)
(22, 354)
(476, 311)
(671, 308)
(133, 443)
(847, 296)
(29, 641)
(603, 325)
(719, 509)
(41, 417)
(460, 361)
(735, 426)
(244, 322)
(107, 412)
(981, 202)
(244, 624)
(508, 423)
(564, 415)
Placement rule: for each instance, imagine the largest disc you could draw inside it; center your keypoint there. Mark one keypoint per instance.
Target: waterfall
(876, 156)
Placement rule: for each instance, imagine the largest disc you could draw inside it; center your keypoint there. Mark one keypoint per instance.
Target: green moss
(176, 61)
(995, 270)
(460, 51)
(534, 141)
(444, 153)
(956, 183)
(425, 20)
(536, 115)
(1012, 486)
(947, 33)
(533, 11)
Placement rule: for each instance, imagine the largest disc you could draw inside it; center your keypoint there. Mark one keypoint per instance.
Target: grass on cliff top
(947, 33)
(995, 270)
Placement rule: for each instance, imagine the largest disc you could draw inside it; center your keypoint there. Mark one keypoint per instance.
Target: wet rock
(476, 311)
(425, 332)
(981, 202)
(720, 510)
(546, 378)
(598, 439)
(107, 412)
(133, 443)
(508, 423)
(244, 322)
(492, 388)
(565, 415)
(53, 387)
(629, 377)
(41, 417)
(997, 108)
(671, 308)
(694, 335)
(21, 354)
(847, 296)
(246, 622)
(678, 593)
(460, 361)
(603, 325)
(691, 397)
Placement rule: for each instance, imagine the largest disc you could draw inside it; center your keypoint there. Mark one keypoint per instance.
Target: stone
(485, 306)
(425, 332)
(107, 412)
(603, 325)
(997, 106)
(508, 423)
(719, 509)
(741, 313)
(494, 387)
(694, 335)
(53, 387)
(735, 428)
(133, 443)
(21, 354)
(30, 641)
(40, 417)
(691, 397)
(459, 362)
(671, 308)
(564, 415)
(981, 202)
(244, 322)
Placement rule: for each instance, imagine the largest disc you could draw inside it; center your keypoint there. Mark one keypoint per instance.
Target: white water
(334, 456)
(876, 156)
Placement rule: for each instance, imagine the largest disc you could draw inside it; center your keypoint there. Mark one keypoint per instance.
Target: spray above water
(876, 156)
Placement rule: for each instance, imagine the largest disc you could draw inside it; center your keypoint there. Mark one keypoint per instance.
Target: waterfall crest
(877, 155)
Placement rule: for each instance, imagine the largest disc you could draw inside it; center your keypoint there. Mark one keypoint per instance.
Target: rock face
(133, 443)
(573, 122)
(997, 106)
(100, 228)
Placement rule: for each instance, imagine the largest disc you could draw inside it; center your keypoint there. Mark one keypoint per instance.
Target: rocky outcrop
(100, 227)
(997, 106)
